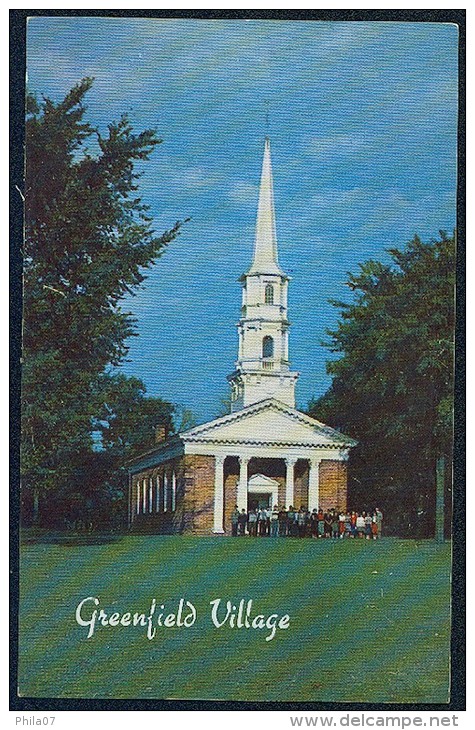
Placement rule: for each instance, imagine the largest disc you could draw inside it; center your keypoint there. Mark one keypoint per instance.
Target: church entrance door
(256, 500)
(263, 491)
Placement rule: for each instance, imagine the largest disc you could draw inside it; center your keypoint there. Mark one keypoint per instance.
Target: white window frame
(269, 288)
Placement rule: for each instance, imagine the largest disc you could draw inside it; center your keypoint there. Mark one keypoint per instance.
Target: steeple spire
(263, 367)
(265, 244)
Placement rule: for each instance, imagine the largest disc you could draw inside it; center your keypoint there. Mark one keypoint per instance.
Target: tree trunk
(439, 500)
(36, 511)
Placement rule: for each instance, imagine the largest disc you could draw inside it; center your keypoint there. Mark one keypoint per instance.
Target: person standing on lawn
(301, 519)
(341, 524)
(321, 523)
(360, 524)
(314, 523)
(262, 521)
(348, 524)
(308, 523)
(374, 526)
(291, 515)
(234, 521)
(368, 520)
(268, 515)
(295, 525)
(379, 520)
(335, 524)
(283, 519)
(242, 522)
(274, 522)
(252, 523)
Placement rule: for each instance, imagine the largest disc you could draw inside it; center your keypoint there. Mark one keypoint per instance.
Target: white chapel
(265, 452)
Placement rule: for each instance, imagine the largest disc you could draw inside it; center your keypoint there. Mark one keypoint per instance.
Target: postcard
(238, 359)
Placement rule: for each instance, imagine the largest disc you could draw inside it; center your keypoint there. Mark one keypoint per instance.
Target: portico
(261, 484)
(247, 483)
(271, 441)
(246, 486)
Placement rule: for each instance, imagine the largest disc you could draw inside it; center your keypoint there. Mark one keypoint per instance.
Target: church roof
(268, 422)
(265, 244)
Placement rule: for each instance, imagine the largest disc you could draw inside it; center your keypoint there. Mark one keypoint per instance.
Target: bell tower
(263, 368)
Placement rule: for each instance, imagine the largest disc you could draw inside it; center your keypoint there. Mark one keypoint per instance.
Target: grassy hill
(369, 621)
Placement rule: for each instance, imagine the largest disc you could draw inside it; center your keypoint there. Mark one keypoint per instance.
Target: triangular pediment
(260, 481)
(268, 422)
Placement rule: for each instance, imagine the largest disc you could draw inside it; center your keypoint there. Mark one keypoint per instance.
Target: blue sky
(363, 122)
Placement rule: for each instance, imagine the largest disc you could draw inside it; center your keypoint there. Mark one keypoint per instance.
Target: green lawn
(369, 621)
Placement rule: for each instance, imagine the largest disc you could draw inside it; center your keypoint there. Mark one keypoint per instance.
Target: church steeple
(265, 259)
(263, 368)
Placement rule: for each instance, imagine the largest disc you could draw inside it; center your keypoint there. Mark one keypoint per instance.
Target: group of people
(293, 522)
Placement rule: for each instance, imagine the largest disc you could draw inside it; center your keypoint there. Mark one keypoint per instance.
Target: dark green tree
(393, 381)
(125, 426)
(88, 242)
(129, 417)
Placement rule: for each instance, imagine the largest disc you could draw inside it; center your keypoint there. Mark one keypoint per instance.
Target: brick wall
(300, 485)
(281, 498)
(198, 498)
(333, 484)
(195, 492)
(231, 476)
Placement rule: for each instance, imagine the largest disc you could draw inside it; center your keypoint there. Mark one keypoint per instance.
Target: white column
(130, 509)
(157, 493)
(218, 494)
(150, 495)
(289, 482)
(144, 496)
(242, 483)
(313, 484)
(173, 491)
(137, 486)
(165, 491)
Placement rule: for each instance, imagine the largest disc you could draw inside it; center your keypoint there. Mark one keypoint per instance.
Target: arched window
(267, 346)
(269, 294)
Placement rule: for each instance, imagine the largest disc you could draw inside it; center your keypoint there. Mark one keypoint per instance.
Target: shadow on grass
(71, 539)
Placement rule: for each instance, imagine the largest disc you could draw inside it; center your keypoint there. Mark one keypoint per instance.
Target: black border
(18, 19)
